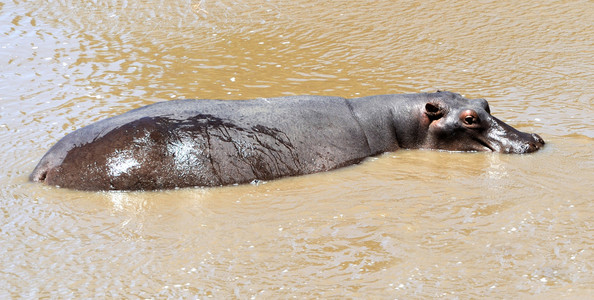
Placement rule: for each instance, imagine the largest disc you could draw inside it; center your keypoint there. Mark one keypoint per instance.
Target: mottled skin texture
(186, 143)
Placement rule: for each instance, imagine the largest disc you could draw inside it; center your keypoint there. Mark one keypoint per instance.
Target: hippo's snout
(531, 143)
(505, 139)
(522, 143)
(537, 143)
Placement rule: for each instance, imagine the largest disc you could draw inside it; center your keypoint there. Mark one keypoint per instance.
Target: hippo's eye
(470, 118)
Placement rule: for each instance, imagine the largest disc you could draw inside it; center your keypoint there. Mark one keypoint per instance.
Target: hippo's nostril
(538, 139)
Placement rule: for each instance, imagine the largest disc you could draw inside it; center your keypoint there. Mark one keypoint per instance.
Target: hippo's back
(206, 143)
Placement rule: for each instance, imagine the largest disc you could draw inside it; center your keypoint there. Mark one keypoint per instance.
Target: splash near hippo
(191, 143)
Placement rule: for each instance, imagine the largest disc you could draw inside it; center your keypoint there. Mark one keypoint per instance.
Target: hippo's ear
(433, 110)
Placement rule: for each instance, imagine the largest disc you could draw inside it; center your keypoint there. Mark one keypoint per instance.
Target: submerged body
(185, 143)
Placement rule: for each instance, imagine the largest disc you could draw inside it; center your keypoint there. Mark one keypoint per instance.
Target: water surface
(409, 224)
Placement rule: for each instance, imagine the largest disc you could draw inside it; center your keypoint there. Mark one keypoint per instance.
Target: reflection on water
(409, 224)
(131, 209)
(497, 169)
(137, 210)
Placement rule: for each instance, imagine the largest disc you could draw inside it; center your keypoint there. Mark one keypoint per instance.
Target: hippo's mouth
(507, 146)
(486, 146)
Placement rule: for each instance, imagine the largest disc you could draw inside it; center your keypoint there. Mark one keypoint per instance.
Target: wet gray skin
(185, 143)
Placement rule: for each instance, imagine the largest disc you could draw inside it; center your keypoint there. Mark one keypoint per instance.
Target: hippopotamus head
(456, 123)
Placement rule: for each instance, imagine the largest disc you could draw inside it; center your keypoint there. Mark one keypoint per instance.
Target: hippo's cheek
(459, 138)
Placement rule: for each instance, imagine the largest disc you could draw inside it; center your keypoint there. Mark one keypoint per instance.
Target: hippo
(206, 143)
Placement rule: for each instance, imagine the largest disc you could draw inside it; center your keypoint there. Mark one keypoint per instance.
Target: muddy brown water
(404, 225)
